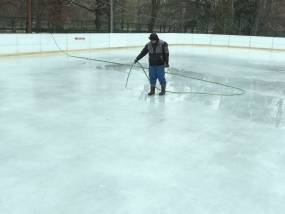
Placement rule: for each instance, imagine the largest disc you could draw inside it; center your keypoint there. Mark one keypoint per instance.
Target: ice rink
(74, 140)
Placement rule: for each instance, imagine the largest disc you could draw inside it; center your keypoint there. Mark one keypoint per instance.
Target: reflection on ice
(262, 103)
(74, 140)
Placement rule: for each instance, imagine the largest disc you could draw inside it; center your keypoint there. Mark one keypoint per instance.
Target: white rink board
(13, 44)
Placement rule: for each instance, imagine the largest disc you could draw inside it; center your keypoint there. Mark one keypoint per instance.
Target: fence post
(13, 25)
(111, 16)
(273, 27)
(225, 26)
(240, 25)
(40, 25)
(256, 26)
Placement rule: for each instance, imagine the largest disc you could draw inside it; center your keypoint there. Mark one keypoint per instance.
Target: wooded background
(234, 17)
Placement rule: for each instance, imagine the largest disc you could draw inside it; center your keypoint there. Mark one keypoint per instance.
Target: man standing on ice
(158, 61)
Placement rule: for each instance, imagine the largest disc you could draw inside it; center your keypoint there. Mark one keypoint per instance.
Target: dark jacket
(158, 53)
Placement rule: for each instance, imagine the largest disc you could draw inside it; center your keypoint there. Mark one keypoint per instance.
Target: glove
(136, 60)
(166, 65)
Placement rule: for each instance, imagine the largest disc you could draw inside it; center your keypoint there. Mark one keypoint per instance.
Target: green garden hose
(174, 92)
(178, 92)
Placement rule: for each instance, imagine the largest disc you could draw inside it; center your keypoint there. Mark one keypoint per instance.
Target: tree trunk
(98, 20)
(154, 11)
(29, 17)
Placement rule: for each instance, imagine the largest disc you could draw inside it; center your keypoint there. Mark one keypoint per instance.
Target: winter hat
(153, 36)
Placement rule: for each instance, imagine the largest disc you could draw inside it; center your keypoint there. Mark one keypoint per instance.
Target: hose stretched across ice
(178, 92)
(175, 92)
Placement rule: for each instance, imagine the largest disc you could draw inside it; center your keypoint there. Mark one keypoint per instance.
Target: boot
(152, 90)
(162, 90)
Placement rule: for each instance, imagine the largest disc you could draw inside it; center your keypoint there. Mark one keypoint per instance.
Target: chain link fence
(273, 27)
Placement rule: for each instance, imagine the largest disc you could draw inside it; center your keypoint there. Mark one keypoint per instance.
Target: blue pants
(157, 72)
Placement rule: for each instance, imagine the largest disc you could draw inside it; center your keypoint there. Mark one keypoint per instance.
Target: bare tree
(197, 15)
(155, 6)
(100, 10)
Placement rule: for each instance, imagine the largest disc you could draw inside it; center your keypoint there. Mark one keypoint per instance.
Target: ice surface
(74, 140)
